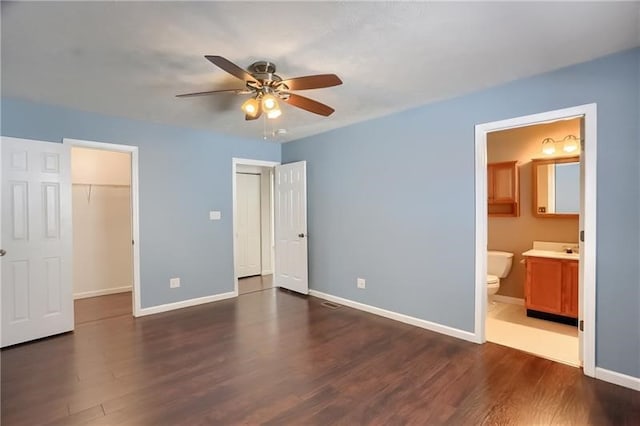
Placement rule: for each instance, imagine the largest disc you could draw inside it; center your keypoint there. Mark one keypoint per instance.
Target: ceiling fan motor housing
(264, 73)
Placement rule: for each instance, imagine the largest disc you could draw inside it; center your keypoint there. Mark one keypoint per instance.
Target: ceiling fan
(266, 88)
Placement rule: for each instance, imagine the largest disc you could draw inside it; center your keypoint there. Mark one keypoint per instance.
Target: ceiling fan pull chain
(264, 127)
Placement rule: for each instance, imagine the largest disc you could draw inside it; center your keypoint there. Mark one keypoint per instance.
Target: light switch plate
(174, 282)
(214, 215)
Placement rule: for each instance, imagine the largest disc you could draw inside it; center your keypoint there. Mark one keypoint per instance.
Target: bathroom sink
(554, 250)
(551, 254)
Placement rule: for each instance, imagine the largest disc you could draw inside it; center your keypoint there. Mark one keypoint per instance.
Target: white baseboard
(618, 378)
(438, 328)
(508, 299)
(185, 303)
(94, 293)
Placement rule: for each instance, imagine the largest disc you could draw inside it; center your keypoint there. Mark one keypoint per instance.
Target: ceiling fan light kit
(266, 88)
(274, 113)
(251, 107)
(269, 102)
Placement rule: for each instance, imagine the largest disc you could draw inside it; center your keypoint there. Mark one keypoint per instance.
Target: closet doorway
(104, 212)
(253, 220)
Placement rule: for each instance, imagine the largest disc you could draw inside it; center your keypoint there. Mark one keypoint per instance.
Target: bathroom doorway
(535, 197)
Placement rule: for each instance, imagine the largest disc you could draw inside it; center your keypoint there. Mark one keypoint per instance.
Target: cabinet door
(503, 181)
(490, 173)
(544, 285)
(570, 289)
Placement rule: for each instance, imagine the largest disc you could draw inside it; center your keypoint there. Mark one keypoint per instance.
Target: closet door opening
(253, 225)
(103, 261)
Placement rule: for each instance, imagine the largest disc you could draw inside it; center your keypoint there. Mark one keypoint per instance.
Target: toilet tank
(499, 263)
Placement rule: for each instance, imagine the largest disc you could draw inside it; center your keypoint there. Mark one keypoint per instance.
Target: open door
(37, 298)
(291, 227)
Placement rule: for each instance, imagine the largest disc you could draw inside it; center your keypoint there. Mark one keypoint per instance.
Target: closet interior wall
(102, 241)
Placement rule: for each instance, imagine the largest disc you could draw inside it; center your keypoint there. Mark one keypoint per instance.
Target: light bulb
(570, 144)
(251, 107)
(274, 113)
(269, 102)
(548, 146)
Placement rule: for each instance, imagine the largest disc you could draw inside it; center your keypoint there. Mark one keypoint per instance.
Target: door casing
(135, 207)
(587, 308)
(234, 163)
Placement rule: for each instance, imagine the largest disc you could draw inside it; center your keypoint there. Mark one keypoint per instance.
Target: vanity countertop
(551, 254)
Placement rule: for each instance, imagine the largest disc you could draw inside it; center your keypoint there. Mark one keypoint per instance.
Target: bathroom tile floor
(508, 325)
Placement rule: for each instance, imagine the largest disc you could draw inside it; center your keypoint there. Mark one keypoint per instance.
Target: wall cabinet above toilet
(503, 189)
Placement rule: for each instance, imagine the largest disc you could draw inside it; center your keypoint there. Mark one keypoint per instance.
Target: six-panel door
(36, 234)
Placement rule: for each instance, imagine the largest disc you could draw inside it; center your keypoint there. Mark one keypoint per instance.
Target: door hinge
(582, 236)
(132, 242)
(581, 325)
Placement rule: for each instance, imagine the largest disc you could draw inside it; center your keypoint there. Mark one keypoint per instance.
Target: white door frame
(234, 164)
(135, 207)
(588, 247)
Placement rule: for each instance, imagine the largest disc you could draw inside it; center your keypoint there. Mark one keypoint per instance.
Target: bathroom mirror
(556, 187)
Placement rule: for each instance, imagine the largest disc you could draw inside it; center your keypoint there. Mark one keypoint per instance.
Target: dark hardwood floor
(277, 358)
(102, 307)
(255, 283)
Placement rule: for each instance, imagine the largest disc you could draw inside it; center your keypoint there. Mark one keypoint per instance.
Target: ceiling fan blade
(230, 67)
(308, 104)
(211, 92)
(312, 82)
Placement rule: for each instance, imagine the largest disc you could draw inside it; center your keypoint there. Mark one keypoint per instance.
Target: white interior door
(249, 225)
(36, 236)
(291, 227)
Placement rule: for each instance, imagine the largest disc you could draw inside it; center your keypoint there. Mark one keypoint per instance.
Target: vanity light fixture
(548, 146)
(570, 143)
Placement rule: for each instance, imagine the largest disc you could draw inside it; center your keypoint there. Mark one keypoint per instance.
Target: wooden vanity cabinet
(551, 286)
(503, 194)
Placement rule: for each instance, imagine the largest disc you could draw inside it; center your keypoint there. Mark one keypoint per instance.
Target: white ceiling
(130, 59)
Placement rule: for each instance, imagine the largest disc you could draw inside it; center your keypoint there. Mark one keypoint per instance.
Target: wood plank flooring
(102, 307)
(255, 283)
(272, 357)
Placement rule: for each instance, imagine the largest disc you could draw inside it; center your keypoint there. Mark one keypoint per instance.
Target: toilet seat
(493, 285)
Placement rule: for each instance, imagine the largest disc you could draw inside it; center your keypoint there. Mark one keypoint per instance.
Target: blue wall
(184, 174)
(392, 200)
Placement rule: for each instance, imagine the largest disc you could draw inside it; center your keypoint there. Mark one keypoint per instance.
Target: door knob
(301, 235)
(2, 252)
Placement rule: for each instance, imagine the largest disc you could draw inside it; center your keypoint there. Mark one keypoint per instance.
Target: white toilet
(498, 266)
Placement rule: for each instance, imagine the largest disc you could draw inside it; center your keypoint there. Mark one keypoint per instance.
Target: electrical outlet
(361, 283)
(174, 283)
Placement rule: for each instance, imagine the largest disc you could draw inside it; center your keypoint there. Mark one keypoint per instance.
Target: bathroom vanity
(551, 285)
